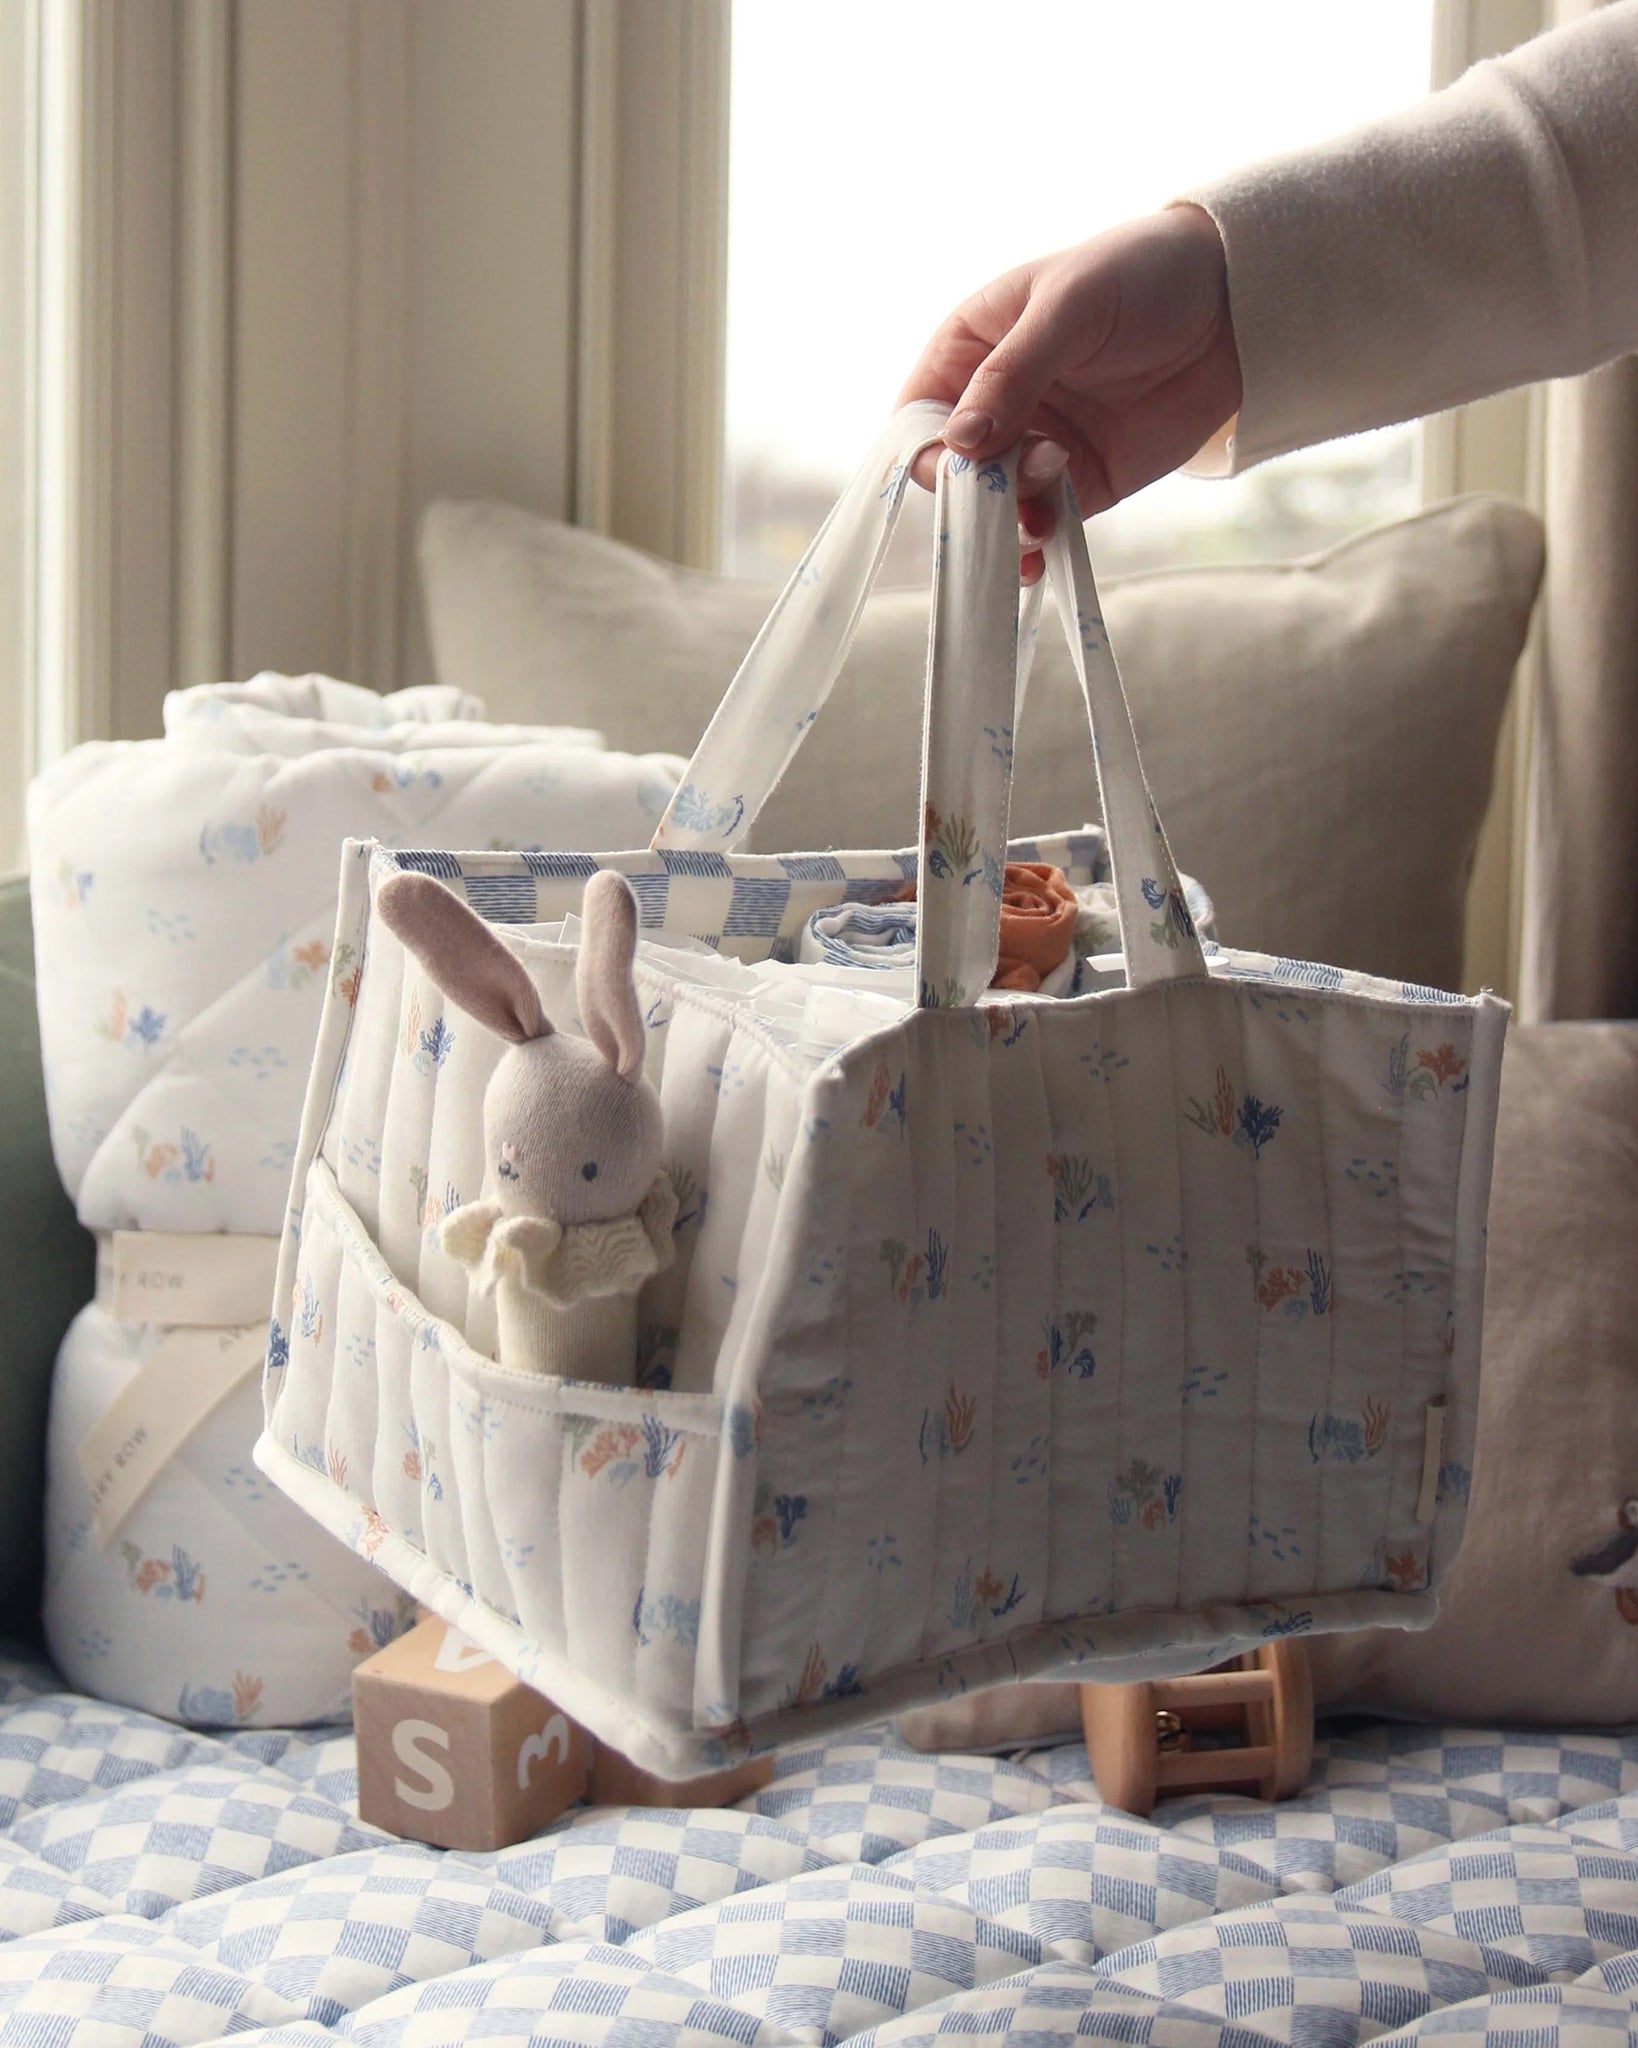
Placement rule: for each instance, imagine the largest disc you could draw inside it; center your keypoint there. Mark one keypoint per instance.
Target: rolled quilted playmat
(184, 894)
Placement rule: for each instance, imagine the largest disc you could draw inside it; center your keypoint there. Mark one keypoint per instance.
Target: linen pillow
(1522, 1635)
(1320, 734)
(47, 1269)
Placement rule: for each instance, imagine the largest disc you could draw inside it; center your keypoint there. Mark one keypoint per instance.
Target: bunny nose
(589, 1170)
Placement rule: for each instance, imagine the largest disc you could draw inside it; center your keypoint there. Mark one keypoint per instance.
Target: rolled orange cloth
(1038, 913)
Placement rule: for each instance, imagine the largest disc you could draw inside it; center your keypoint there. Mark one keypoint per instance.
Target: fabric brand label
(188, 1376)
(204, 1280)
(1433, 1454)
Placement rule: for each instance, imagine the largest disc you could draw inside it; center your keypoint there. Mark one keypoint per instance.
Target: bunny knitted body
(578, 1211)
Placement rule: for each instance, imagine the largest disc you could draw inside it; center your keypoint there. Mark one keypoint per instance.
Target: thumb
(1003, 392)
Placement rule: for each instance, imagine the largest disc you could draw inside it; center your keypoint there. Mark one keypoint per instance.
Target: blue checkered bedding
(159, 1887)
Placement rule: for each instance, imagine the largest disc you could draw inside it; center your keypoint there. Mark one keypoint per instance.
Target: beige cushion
(1520, 1636)
(1319, 735)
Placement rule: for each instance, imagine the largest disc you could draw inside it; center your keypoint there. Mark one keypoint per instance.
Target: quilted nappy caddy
(1004, 1334)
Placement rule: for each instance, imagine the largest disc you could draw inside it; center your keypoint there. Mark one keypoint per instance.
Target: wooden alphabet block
(616, 1781)
(455, 1751)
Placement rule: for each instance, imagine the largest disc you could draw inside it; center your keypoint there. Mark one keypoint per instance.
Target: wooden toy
(1142, 1739)
(455, 1751)
(616, 1781)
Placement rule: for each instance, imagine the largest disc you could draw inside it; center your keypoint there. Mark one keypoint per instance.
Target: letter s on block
(440, 1786)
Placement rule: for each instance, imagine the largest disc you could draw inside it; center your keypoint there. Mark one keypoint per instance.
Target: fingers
(1001, 397)
(1039, 466)
(1037, 521)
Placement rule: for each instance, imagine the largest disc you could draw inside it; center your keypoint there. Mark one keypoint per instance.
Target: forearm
(1484, 238)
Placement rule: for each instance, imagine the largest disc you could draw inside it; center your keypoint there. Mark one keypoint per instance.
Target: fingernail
(968, 429)
(1042, 462)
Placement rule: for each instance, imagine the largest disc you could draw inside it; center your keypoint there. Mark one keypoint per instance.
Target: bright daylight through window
(885, 167)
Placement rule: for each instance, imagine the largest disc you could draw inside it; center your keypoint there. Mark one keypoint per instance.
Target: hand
(1115, 360)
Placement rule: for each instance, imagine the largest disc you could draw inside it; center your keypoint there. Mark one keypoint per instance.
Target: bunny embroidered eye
(589, 1170)
(506, 1161)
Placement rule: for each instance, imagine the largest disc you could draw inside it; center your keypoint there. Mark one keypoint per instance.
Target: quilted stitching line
(1186, 1498)
(1326, 1570)
(1252, 1494)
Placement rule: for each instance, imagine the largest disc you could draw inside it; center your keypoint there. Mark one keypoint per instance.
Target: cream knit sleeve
(1484, 238)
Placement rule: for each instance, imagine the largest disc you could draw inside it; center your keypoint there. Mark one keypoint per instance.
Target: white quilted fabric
(184, 894)
(160, 1889)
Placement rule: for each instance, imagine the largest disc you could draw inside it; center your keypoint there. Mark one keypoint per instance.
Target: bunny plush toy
(578, 1209)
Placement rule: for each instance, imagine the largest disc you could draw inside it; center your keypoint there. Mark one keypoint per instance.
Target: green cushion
(47, 1269)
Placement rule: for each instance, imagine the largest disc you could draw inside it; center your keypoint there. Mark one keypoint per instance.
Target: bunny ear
(463, 957)
(602, 982)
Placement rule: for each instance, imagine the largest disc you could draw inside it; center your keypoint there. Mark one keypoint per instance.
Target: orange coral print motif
(960, 1412)
(618, 1440)
(1280, 1283)
(1442, 1063)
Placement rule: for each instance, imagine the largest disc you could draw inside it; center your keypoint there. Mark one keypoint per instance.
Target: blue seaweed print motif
(1455, 1482)
(147, 1027)
(1144, 1496)
(278, 1346)
(694, 811)
(196, 1160)
(376, 1628)
(309, 1319)
(206, 1705)
(1258, 1123)
(661, 1446)
(895, 477)
(1250, 1124)
(1319, 1284)
(938, 1257)
(437, 1042)
(993, 477)
(187, 1580)
(668, 1617)
(1348, 1439)
(1077, 1188)
(1067, 1351)
(741, 1430)
(1176, 924)
(789, 1509)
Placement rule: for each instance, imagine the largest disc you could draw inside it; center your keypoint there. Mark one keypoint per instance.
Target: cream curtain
(1580, 933)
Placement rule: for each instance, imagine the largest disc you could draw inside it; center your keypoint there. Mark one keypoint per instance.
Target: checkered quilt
(160, 1887)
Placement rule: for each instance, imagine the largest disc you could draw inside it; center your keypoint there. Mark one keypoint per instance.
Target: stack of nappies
(184, 897)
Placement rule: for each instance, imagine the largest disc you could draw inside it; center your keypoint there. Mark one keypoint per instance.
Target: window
(885, 167)
(15, 60)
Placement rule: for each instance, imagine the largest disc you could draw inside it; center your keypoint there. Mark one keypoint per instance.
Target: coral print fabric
(1009, 1336)
(185, 906)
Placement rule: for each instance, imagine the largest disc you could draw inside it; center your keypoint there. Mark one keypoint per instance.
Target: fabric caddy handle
(973, 691)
